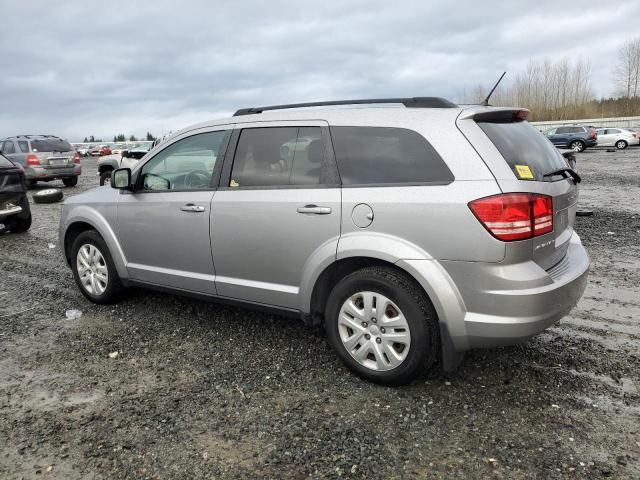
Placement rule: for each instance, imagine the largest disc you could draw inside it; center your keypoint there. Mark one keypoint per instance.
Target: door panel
(164, 244)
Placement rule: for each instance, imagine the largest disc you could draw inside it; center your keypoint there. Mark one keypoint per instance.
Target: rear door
(520, 157)
(276, 212)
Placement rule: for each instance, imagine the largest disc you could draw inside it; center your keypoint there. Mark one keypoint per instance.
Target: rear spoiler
(495, 115)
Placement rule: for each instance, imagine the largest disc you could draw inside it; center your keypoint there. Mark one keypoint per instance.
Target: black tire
(70, 181)
(49, 195)
(105, 177)
(577, 146)
(22, 222)
(114, 289)
(402, 290)
(31, 183)
(621, 144)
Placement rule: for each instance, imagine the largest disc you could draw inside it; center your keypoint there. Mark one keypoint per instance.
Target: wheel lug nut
(365, 324)
(367, 336)
(382, 330)
(378, 340)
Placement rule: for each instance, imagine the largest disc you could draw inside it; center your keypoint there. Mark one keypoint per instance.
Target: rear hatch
(53, 152)
(521, 159)
(12, 187)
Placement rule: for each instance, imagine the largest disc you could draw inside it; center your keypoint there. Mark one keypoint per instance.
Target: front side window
(277, 156)
(187, 164)
(382, 155)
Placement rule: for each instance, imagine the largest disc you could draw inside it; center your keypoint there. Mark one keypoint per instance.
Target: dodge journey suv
(411, 229)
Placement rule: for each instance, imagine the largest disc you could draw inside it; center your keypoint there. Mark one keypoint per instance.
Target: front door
(163, 226)
(277, 211)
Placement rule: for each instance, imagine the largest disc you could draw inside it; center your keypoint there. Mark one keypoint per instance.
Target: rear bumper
(506, 305)
(52, 173)
(592, 143)
(8, 211)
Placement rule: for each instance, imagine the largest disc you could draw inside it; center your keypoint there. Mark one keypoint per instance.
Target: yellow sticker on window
(524, 172)
(234, 183)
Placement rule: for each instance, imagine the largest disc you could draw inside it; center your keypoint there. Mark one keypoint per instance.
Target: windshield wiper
(563, 171)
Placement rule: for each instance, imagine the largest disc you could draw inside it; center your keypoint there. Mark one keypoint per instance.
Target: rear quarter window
(382, 155)
(521, 144)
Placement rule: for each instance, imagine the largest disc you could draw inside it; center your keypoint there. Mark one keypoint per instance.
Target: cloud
(82, 68)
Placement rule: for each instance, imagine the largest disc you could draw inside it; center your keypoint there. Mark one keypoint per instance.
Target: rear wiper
(563, 171)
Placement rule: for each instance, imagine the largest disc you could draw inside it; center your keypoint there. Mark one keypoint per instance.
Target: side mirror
(121, 179)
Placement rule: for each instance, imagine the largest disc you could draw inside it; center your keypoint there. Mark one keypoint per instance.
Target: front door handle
(190, 207)
(315, 210)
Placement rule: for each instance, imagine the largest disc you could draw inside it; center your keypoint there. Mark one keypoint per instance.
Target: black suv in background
(15, 214)
(575, 137)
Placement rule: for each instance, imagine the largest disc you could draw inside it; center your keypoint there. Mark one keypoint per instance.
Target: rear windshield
(522, 145)
(50, 145)
(4, 163)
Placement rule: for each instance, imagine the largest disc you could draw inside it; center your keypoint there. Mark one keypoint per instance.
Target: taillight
(515, 216)
(594, 133)
(32, 160)
(76, 158)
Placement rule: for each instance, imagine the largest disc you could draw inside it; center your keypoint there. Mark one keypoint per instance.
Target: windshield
(522, 145)
(50, 145)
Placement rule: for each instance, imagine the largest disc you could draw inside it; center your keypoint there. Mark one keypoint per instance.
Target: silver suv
(44, 158)
(412, 229)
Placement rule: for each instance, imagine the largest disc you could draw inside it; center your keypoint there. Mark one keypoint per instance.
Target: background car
(575, 137)
(15, 214)
(127, 159)
(83, 150)
(100, 150)
(621, 138)
(44, 158)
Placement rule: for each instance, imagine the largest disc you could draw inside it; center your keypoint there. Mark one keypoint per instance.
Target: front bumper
(507, 304)
(52, 173)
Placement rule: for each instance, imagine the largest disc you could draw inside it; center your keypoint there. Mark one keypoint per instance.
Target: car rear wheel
(621, 144)
(70, 182)
(577, 146)
(94, 270)
(382, 326)
(105, 177)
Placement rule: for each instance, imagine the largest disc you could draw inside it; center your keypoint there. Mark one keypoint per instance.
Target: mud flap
(451, 359)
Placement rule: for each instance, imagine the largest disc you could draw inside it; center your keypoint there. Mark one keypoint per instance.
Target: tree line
(561, 89)
(121, 137)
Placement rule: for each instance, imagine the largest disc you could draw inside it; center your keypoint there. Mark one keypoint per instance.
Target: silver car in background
(44, 158)
(620, 138)
(411, 229)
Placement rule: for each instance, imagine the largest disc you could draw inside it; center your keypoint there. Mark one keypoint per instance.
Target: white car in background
(620, 138)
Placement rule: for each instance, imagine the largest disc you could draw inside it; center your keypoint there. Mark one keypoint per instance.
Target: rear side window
(382, 155)
(277, 156)
(50, 145)
(24, 146)
(521, 144)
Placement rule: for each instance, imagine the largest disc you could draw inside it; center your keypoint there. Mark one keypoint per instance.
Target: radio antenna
(485, 103)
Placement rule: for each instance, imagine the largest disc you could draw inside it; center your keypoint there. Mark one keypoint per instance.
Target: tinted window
(50, 145)
(279, 156)
(187, 164)
(8, 148)
(4, 162)
(576, 130)
(521, 144)
(380, 155)
(23, 145)
(563, 130)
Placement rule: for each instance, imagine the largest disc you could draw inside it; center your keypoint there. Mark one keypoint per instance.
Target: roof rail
(412, 102)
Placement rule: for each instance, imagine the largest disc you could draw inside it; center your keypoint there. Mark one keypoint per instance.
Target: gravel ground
(204, 390)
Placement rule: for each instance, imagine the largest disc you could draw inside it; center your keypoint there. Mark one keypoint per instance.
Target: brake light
(32, 160)
(515, 216)
(594, 133)
(76, 158)
(520, 115)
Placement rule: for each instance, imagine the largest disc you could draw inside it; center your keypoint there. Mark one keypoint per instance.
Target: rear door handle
(190, 207)
(315, 210)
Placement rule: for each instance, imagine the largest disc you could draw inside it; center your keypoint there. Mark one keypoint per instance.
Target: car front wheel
(93, 268)
(382, 326)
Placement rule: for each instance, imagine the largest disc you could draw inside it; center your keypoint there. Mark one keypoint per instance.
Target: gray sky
(88, 67)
